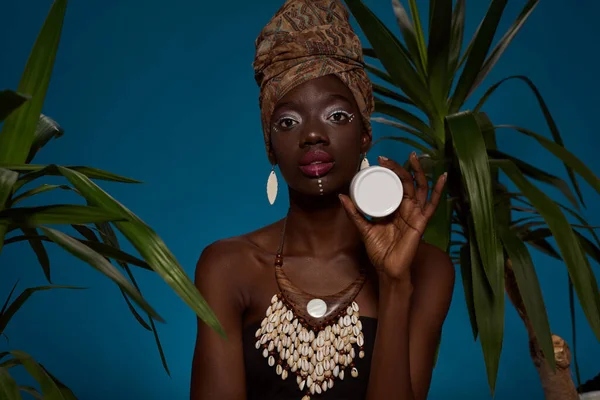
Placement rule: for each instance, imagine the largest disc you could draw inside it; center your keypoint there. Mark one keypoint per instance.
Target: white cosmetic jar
(376, 191)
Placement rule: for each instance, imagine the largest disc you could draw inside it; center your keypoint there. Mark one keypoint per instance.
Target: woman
(323, 304)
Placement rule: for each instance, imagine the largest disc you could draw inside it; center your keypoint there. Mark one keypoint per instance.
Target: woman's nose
(314, 132)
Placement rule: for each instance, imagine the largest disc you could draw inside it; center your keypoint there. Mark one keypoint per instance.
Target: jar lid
(376, 191)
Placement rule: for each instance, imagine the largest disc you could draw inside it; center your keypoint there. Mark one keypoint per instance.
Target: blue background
(164, 92)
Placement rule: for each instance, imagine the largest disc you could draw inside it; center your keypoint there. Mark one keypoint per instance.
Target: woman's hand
(391, 243)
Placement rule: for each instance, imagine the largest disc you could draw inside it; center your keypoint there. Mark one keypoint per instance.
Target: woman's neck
(319, 226)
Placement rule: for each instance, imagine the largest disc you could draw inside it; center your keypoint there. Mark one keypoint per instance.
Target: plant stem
(556, 386)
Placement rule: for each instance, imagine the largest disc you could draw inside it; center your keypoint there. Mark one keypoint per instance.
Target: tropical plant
(487, 229)
(90, 229)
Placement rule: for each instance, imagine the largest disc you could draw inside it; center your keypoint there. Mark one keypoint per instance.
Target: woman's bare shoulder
(239, 254)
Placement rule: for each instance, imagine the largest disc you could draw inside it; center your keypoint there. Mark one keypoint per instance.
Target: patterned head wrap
(307, 39)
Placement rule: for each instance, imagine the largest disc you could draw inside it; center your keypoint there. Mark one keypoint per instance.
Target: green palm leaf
(18, 130)
(93, 240)
(57, 214)
(7, 181)
(46, 130)
(134, 312)
(467, 281)
(536, 174)
(32, 172)
(489, 314)
(149, 245)
(504, 42)
(415, 45)
(545, 247)
(49, 388)
(547, 116)
(531, 293)
(574, 332)
(37, 245)
(379, 73)
(578, 217)
(404, 128)
(406, 117)
(420, 37)
(569, 159)
(470, 150)
(31, 391)
(515, 224)
(64, 390)
(467, 51)
(407, 141)
(589, 247)
(108, 251)
(438, 229)
(109, 247)
(12, 309)
(37, 190)
(577, 264)
(481, 45)
(109, 237)
(456, 41)
(394, 58)
(86, 232)
(5, 306)
(100, 263)
(383, 91)
(9, 390)
(438, 53)
(9, 102)
(116, 254)
(489, 137)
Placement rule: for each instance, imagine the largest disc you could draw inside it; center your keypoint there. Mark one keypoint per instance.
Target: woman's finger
(436, 195)
(359, 220)
(405, 176)
(420, 179)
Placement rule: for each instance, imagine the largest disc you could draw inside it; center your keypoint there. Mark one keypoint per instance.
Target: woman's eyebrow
(336, 96)
(287, 104)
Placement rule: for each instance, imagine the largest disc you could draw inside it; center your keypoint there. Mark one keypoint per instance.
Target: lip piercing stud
(320, 182)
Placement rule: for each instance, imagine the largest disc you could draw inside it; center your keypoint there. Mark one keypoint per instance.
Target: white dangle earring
(272, 186)
(364, 163)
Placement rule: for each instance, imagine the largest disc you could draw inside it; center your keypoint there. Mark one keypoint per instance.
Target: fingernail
(445, 175)
(413, 154)
(383, 158)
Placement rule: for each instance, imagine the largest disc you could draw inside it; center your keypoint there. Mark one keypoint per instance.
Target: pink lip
(316, 170)
(316, 163)
(316, 156)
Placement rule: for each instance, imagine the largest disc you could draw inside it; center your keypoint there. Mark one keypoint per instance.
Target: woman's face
(317, 136)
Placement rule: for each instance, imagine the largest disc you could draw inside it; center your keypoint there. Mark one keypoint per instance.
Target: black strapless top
(262, 383)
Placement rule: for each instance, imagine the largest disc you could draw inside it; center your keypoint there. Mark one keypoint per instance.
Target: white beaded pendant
(317, 359)
(316, 308)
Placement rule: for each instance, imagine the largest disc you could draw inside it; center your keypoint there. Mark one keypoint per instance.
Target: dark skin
(410, 284)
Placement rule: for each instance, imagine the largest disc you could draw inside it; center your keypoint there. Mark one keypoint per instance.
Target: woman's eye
(340, 116)
(286, 123)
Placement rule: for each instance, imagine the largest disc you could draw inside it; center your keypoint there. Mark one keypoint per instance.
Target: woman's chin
(321, 193)
(320, 188)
